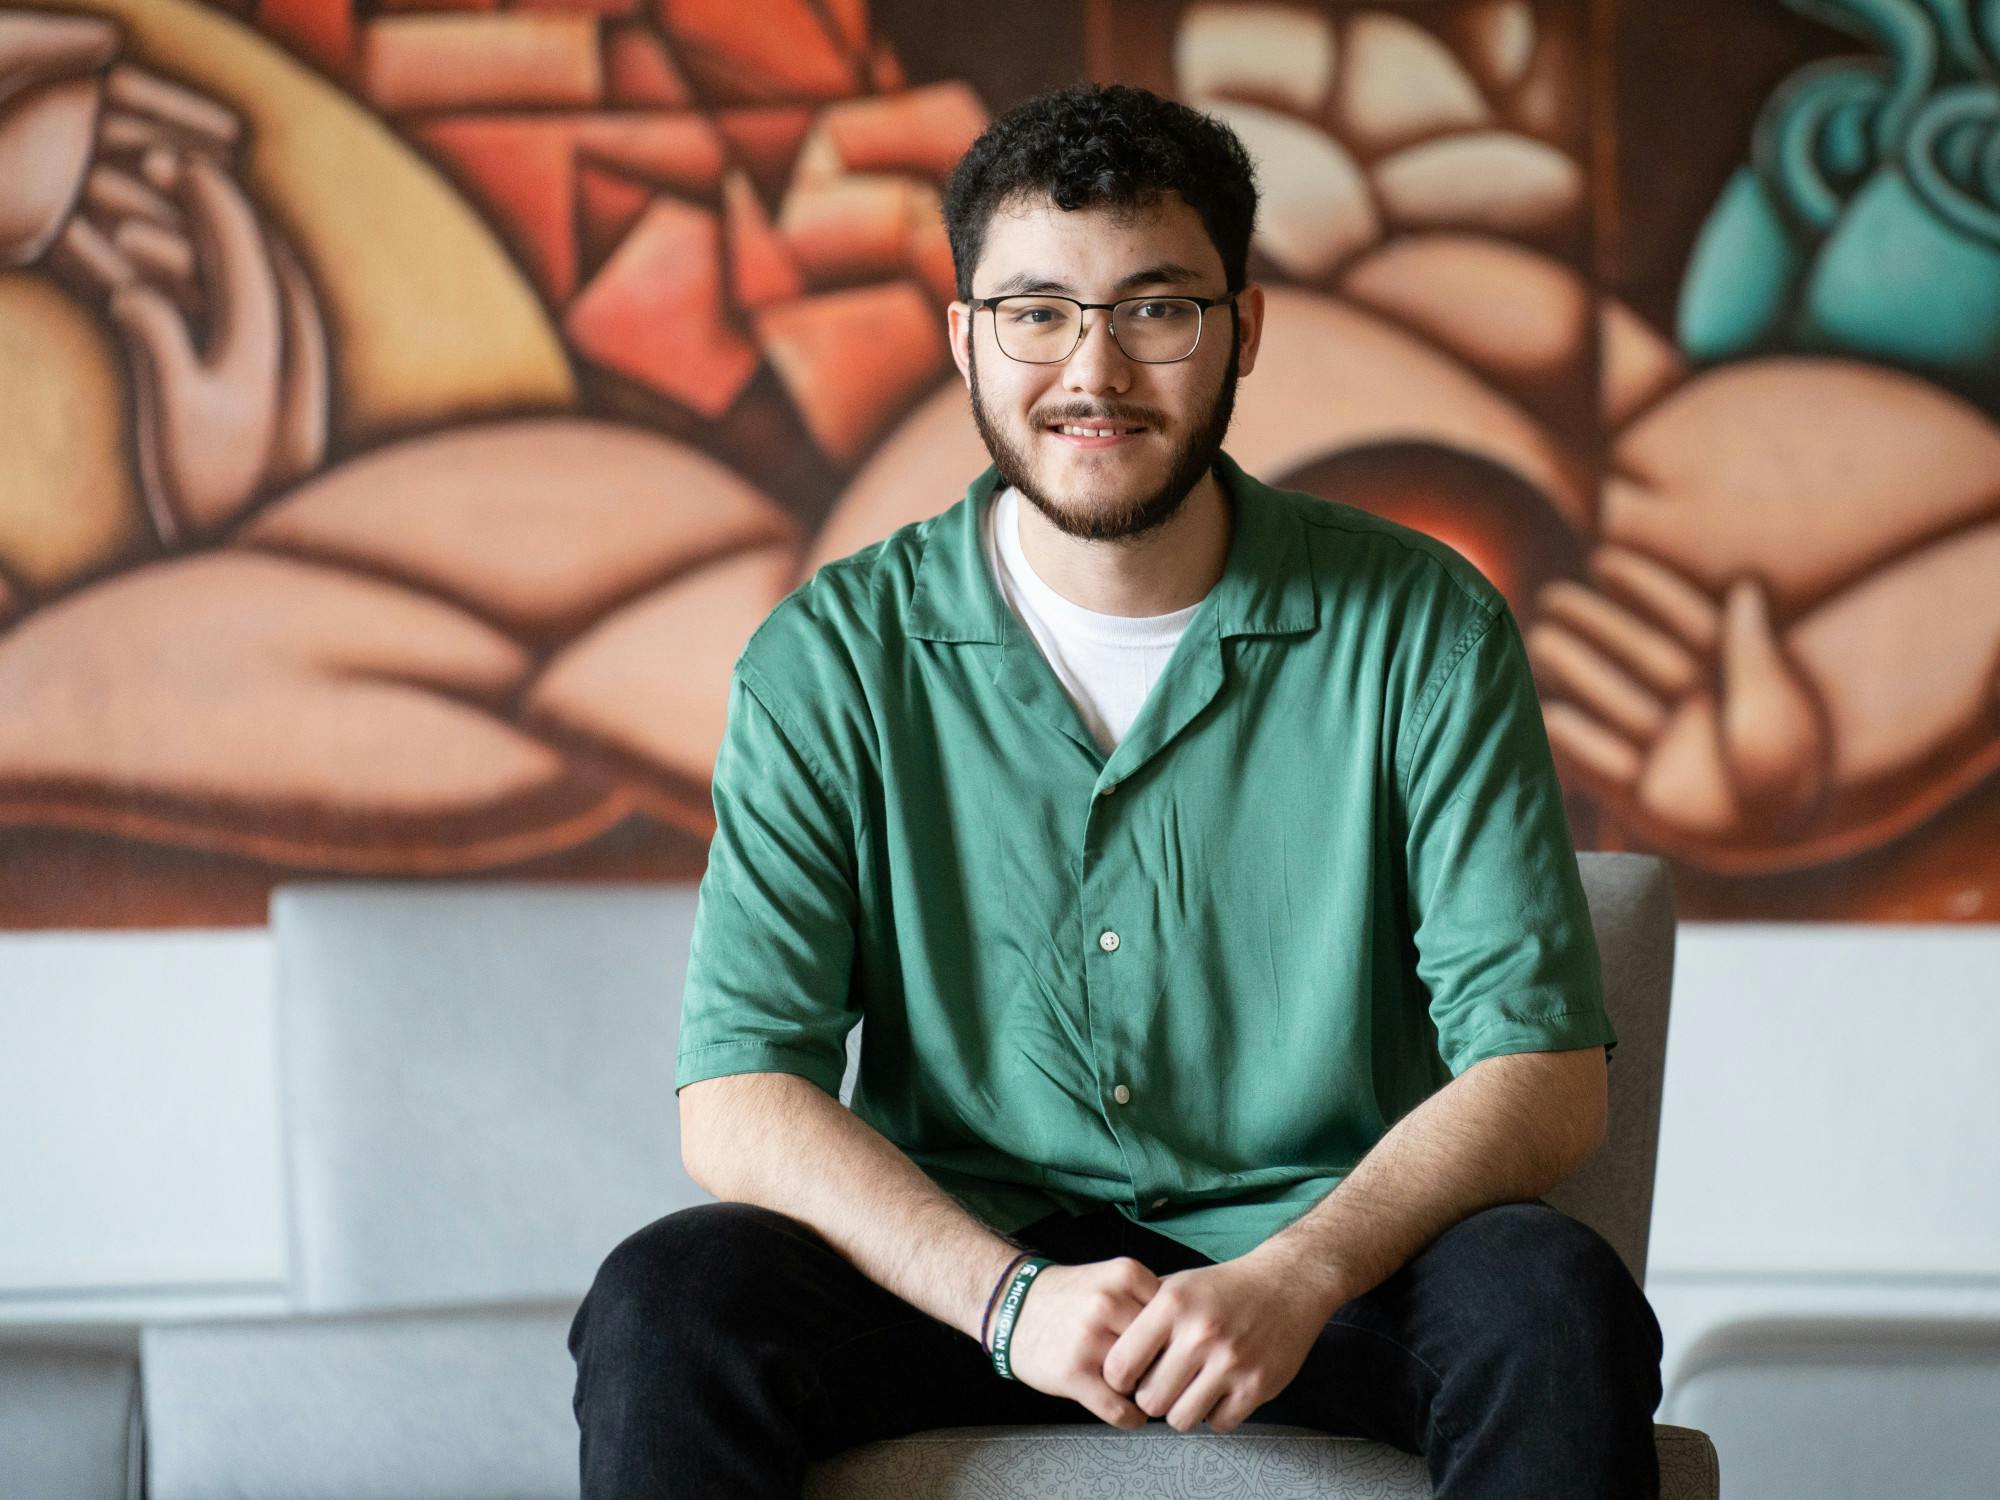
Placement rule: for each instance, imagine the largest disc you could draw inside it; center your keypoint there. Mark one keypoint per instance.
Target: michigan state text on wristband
(1010, 1310)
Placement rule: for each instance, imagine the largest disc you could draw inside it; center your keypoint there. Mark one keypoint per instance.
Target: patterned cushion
(1259, 1461)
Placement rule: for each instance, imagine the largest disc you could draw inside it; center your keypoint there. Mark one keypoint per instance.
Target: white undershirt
(1106, 663)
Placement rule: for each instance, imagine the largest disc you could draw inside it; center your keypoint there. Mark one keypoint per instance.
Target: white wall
(1830, 1137)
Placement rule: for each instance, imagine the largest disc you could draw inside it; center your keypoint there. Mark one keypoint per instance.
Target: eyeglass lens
(1042, 330)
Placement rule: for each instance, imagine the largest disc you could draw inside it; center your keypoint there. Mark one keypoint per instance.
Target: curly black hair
(1095, 145)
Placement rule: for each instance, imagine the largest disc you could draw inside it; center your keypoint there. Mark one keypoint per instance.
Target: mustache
(1082, 413)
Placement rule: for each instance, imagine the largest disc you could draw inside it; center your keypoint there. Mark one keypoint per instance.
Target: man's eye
(1157, 312)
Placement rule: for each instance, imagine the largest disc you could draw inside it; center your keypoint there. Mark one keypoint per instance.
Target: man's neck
(1167, 568)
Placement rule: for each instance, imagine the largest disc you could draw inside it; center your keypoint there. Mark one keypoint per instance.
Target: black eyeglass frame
(1202, 305)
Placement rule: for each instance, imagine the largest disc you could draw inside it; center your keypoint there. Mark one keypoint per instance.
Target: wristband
(1010, 1312)
(998, 1286)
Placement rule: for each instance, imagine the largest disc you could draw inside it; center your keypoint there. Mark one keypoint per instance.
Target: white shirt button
(1122, 1094)
(1108, 941)
(1159, 1203)
(1107, 789)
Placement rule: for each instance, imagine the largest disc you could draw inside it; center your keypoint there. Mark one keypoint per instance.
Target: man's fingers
(1113, 1408)
(1231, 1412)
(1202, 1393)
(1140, 1281)
(1137, 1346)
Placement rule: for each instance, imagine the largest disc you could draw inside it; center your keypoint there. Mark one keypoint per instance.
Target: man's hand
(1218, 1342)
(1069, 1321)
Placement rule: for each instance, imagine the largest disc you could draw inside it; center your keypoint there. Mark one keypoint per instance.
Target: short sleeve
(769, 981)
(1496, 905)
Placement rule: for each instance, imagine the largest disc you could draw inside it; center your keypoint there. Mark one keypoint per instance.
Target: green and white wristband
(1010, 1311)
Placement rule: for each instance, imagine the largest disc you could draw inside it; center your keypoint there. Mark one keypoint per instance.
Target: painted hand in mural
(226, 347)
(1684, 705)
(1754, 744)
(50, 95)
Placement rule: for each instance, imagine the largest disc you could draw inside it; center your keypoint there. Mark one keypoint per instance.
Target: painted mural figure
(446, 429)
(1149, 819)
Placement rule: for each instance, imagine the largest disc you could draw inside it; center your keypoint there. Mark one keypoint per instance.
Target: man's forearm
(1506, 1130)
(781, 1142)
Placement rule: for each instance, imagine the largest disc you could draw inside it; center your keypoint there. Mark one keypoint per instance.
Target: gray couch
(477, 1101)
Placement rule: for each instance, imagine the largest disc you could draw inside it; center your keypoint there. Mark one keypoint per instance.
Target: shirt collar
(1266, 586)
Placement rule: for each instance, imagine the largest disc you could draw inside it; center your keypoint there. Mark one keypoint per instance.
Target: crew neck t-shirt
(1106, 663)
(1324, 871)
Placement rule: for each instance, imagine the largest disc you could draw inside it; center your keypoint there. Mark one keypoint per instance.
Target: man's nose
(1097, 363)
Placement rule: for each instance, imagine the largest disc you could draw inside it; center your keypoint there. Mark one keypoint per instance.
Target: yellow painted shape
(68, 498)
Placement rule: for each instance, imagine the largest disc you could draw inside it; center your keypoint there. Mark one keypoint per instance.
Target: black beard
(1191, 460)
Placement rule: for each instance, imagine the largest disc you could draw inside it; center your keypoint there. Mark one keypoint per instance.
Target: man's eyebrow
(1167, 273)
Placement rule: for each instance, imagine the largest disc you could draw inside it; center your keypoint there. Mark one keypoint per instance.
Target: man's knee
(690, 1270)
(1551, 1291)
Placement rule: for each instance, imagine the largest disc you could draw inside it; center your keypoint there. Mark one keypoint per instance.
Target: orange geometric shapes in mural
(783, 50)
(606, 8)
(850, 22)
(270, 706)
(862, 201)
(850, 227)
(678, 150)
(322, 31)
(761, 267)
(766, 142)
(651, 681)
(541, 526)
(885, 71)
(521, 59)
(925, 131)
(656, 311)
(523, 169)
(853, 360)
(637, 69)
(608, 204)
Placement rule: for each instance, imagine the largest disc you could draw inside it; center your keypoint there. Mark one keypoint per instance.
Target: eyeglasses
(1037, 329)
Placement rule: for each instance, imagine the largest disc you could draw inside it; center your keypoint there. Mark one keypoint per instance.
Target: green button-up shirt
(1326, 870)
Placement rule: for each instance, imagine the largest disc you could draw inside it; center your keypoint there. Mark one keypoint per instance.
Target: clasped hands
(1213, 1343)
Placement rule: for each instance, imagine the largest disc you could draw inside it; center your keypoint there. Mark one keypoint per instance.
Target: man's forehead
(1031, 243)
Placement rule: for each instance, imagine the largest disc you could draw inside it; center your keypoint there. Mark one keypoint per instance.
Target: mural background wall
(411, 408)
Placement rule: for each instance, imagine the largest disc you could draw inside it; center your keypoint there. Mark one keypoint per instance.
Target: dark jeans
(724, 1346)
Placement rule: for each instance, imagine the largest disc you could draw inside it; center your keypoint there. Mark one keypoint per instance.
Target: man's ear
(958, 329)
(1249, 326)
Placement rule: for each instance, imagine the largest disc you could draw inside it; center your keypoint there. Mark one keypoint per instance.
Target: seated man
(1193, 852)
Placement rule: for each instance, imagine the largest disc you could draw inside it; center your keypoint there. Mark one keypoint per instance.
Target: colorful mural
(412, 405)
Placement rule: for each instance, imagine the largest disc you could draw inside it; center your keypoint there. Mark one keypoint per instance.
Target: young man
(1194, 854)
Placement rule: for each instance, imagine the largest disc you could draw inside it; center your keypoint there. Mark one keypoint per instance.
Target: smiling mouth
(1094, 430)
